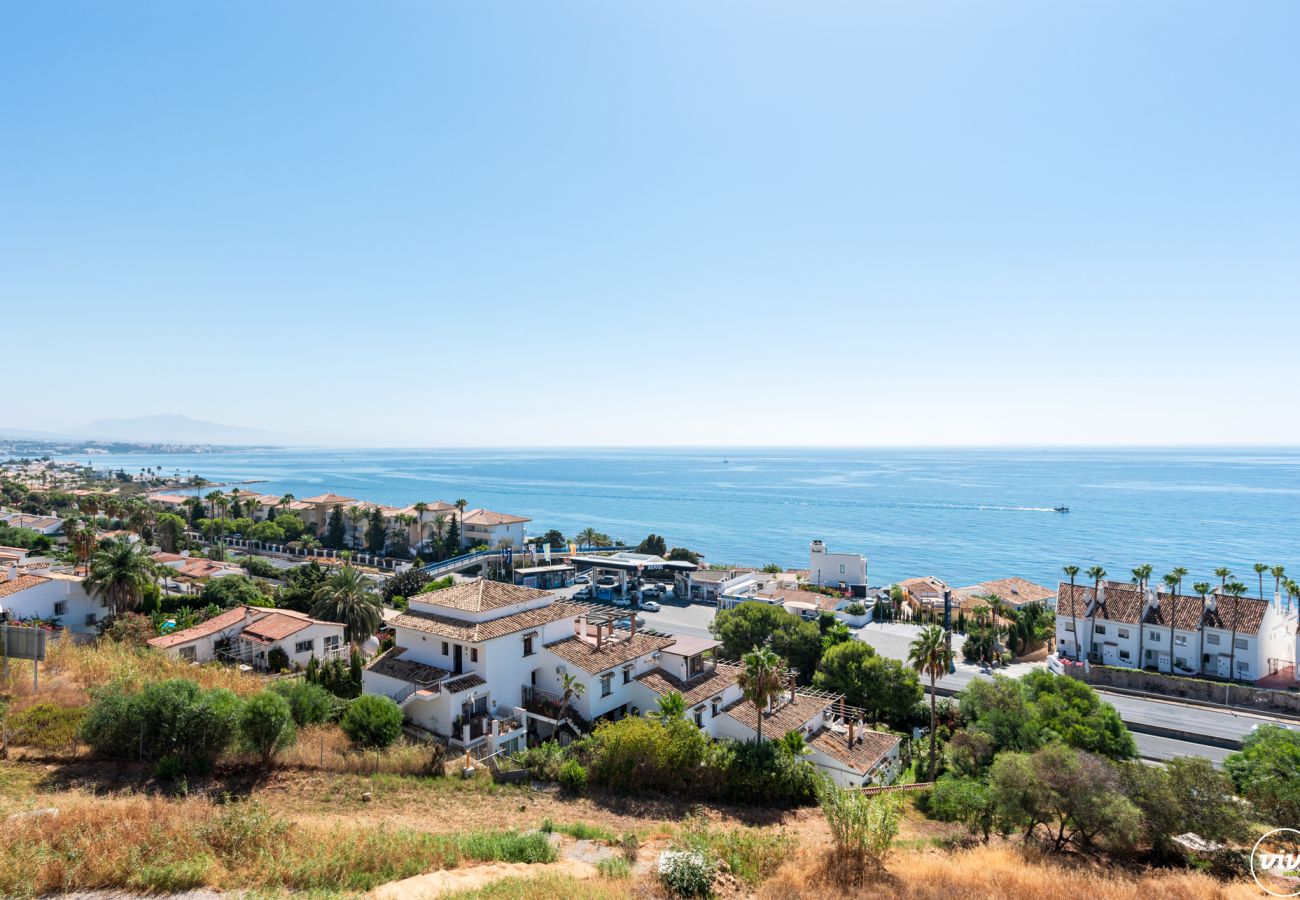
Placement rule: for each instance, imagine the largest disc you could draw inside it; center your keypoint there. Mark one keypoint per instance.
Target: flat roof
(688, 645)
(533, 570)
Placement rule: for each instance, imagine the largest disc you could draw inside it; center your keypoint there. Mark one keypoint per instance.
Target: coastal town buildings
(250, 634)
(1012, 593)
(38, 592)
(846, 571)
(1220, 636)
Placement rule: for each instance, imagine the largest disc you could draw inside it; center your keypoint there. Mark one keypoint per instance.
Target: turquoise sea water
(964, 515)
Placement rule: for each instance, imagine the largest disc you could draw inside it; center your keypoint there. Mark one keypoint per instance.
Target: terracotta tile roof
(481, 595)
(215, 625)
(614, 651)
(696, 690)
(1015, 591)
(1120, 602)
(329, 498)
(812, 598)
(392, 665)
(1188, 615)
(487, 517)
(475, 632)
(789, 715)
(10, 586)
(1249, 614)
(868, 749)
(276, 626)
(464, 683)
(1072, 601)
(925, 587)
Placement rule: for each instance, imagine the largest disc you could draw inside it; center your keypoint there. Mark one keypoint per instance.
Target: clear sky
(688, 222)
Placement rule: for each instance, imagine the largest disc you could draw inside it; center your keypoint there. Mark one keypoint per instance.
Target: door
(456, 660)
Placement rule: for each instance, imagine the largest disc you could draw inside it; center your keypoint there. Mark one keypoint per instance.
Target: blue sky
(468, 224)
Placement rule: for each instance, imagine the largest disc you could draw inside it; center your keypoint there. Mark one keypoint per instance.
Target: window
(1243, 669)
(607, 684)
(91, 618)
(1242, 643)
(699, 717)
(717, 702)
(186, 653)
(1100, 629)
(473, 654)
(304, 646)
(1123, 654)
(445, 649)
(841, 568)
(332, 642)
(1152, 636)
(1069, 626)
(1212, 639)
(1123, 632)
(627, 675)
(1180, 640)
(1181, 662)
(528, 646)
(60, 607)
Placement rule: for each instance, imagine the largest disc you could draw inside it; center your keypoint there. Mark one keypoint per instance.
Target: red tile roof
(481, 595)
(215, 625)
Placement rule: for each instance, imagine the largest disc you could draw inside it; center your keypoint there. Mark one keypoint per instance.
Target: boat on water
(1060, 509)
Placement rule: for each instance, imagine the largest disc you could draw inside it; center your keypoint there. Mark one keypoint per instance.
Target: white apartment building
(1119, 625)
(482, 665)
(836, 570)
(483, 526)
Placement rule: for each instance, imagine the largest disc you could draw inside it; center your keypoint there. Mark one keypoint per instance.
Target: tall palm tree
(1172, 582)
(588, 537)
(1260, 569)
(1234, 589)
(439, 524)
(1292, 589)
(119, 574)
(570, 686)
(1141, 575)
(1278, 573)
(286, 501)
(760, 680)
(420, 509)
(929, 655)
(1071, 572)
(1202, 588)
(672, 705)
(1096, 573)
(1223, 574)
(349, 597)
(212, 503)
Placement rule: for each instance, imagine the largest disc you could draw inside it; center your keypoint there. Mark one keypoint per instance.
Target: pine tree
(335, 530)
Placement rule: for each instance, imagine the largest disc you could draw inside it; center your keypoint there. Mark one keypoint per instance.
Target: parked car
(583, 579)
(582, 593)
(625, 623)
(650, 606)
(607, 581)
(622, 601)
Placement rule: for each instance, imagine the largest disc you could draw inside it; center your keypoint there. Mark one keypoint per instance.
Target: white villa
(248, 634)
(482, 665)
(49, 595)
(1222, 636)
(836, 570)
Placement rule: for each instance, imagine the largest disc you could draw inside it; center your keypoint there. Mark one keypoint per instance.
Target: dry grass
(155, 845)
(71, 670)
(326, 748)
(998, 873)
(547, 886)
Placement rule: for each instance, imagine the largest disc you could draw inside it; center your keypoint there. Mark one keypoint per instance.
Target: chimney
(791, 688)
(600, 635)
(851, 724)
(632, 625)
(580, 626)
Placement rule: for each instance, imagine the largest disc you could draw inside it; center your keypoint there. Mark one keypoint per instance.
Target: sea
(964, 515)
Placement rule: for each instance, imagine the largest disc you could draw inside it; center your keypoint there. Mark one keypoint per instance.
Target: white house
(481, 665)
(248, 634)
(837, 570)
(50, 596)
(48, 525)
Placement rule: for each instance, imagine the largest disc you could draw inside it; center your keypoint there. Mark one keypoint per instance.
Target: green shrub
(372, 721)
(167, 718)
(767, 774)
(751, 855)
(687, 873)
(579, 830)
(855, 609)
(636, 754)
(46, 726)
(614, 867)
(544, 760)
(277, 660)
(573, 777)
(266, 725)
(259, 567)
(310, 703)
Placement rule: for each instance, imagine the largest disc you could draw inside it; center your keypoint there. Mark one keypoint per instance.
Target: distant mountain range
(160, 429)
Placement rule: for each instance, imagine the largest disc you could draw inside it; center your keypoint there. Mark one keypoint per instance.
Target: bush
(130, 628)
(573, 777)
(266, 725)
(637, 753)
(855, 609)
(277, 660)
(687, 873)
(614, 867)
(230, 591)
(372, 721)
(766, 774)
(544, 761)
(863, 828)
(259, 567)
(310, 703)
(166, 718)
(46, 726)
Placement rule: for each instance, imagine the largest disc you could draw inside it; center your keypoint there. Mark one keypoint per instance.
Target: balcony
(477, 729)
(547, 705)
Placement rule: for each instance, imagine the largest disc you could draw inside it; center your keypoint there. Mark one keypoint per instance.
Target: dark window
(606, 685)
(627, 676)
(445, 651)
(528, 646)
(473, 654)
(699, 718)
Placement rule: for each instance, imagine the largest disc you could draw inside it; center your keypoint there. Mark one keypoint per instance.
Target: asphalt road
(1206, 729)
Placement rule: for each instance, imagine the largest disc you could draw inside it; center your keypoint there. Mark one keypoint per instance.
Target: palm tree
(1071, 572)
(420, 509)
(1223, 574)
(571, 686)
(119, 574)
(1172, 582)
(1278, 573)
(349, 597)
(1096, 573)
(356, 515)
(1234, 589)
(929, 655)
(672, 705)
(285, 501)
(1141, 575)
(439, 524)
(460, 512)
(1260, 569)
(1292, 589)
(760, 680)
(1202, 588)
